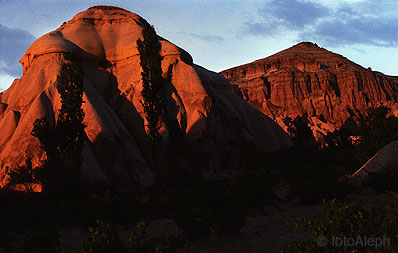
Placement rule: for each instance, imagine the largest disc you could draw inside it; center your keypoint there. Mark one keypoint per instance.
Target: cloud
(353, 22)
(294, 13)
(359, 30)
(13, 44)
(5, 81)
(206, 37)
(289, 14)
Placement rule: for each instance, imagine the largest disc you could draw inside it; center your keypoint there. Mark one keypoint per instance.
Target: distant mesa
(308, 80)
(219, 128)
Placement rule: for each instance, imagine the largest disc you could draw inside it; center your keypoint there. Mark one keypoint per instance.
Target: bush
(103, 238)
(140, 242)
(25, 176)
(348, 220)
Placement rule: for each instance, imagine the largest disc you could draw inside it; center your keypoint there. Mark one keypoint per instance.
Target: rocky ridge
(308, 80)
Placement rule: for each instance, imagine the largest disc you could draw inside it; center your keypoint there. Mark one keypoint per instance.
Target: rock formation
(102, 40)
(383, 163)
(307, 79)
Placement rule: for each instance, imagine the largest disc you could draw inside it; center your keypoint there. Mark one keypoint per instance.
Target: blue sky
(220, 34)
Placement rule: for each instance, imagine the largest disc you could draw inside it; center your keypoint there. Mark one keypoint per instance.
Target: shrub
(348, 220)
(25, 175)
(139, 242)
(103, 238)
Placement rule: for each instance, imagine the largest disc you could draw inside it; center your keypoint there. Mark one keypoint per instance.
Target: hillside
(307, 79)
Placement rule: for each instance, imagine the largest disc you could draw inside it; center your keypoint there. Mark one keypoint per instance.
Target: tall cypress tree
(63, 142)
(152, 81)
(70, 119)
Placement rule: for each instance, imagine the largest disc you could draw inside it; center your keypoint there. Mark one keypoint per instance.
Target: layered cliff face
(307, 79)
(102, 40)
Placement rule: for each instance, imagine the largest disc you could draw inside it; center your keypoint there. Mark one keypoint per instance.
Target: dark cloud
(349, 24)
(13, 44)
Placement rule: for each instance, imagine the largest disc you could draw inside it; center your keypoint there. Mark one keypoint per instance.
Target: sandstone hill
(306, 79)
(102, 40)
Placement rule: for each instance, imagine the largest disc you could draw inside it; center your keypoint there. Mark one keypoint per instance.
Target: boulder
(383, 164)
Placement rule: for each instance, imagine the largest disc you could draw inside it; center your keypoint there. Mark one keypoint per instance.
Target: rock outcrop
(307, 79)
(102, 40)
(383, 164)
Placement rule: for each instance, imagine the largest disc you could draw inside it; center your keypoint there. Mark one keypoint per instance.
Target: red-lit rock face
(103, 41)
(308, 79)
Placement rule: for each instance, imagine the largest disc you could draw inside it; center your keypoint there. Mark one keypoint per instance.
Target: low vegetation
(205, 208)
(103, 238)
(359, 225)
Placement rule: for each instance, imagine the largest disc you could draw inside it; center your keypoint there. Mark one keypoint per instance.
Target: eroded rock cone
(308, 80)
(383, 166)
(102, 40)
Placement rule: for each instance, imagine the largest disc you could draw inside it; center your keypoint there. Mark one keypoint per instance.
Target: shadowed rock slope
(102, 40)
(307, 79)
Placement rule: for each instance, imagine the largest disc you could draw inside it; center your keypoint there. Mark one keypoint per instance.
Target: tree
(63, 141)
(152, 81)
(376, 130)
(25, 176)
(301, 133)
(70, 126)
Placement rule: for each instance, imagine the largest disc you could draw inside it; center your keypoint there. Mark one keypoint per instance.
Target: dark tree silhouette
(70, 124)
(376, 130)
(62, 142)
(301, 133)
(152, 81)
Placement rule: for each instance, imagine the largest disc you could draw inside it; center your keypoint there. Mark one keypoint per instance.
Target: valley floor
(266, 233)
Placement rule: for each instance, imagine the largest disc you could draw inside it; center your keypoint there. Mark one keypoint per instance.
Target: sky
(220, 34)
